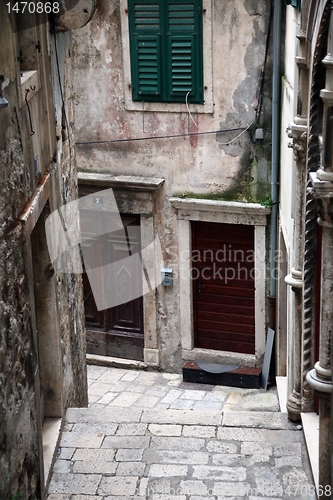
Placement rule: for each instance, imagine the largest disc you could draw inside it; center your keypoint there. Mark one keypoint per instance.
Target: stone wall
(37, 175)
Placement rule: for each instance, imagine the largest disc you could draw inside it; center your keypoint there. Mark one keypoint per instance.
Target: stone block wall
(42, 333)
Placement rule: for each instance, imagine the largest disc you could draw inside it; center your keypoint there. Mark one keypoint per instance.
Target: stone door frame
(134, 195)
(231, 213)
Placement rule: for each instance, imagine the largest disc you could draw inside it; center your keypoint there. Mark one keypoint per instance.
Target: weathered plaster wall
(21, 474)
(198, 163)
(235, 41)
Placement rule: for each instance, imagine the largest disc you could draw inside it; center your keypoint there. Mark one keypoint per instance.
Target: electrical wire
(188, 109)
(261, 79)
(175, 136)
(237, 136)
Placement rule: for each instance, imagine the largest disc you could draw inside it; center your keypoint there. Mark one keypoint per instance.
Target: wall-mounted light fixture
(3, 102)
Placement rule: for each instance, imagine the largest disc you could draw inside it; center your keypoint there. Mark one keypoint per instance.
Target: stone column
(320, 378)
(297, 131)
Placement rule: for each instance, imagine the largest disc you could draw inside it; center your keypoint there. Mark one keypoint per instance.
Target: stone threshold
(310, 423)
(98, 360)
(51, 431)
(281, 384)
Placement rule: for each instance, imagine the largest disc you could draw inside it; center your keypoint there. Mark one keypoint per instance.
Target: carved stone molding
(324, 175)
(299, 136)
(303, 57)
(320, 379)
(294, 406)
(294, 279)
(323, 191)
(325, 210)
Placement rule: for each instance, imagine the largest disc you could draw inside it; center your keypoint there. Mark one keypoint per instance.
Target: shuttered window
(166, 50)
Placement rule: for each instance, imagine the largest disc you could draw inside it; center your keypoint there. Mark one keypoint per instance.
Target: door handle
(200, 286)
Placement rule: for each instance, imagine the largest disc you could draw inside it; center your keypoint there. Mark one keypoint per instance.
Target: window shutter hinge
(38, 46)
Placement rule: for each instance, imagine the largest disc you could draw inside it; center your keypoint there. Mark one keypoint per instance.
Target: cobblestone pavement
(148, 435)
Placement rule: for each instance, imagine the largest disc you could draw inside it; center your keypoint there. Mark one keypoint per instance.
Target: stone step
(93, 418)
(218, 374)
(143, 415)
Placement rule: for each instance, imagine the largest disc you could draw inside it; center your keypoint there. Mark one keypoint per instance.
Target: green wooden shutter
(181, 68)
(184, 51)
(148, 79)
(166, 50)
(146, 51)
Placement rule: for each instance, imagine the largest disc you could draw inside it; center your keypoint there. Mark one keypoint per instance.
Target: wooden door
(117, 331)
(223, 286)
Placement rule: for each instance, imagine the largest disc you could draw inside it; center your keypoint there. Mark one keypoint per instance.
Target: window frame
(180, 107)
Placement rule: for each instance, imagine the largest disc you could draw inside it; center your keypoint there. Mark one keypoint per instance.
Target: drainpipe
(276, 86)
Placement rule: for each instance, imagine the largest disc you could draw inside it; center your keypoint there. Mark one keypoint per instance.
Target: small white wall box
(167, 276)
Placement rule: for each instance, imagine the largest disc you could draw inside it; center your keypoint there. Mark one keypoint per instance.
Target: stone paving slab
(259, 420)
(80, 440)
(101, 415)
(126, 442)
(140, 452)
(70, 483)
(165, 429)
(193, 417)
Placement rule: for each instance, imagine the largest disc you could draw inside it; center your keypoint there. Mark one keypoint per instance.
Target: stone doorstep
(310, 422)
(51, 434)
(109, 362)
(245, 376)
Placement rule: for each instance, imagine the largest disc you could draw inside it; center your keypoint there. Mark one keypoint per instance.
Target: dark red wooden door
(223, 286)
(117, 331)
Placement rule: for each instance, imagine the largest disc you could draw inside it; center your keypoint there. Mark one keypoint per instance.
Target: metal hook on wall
(26, 101)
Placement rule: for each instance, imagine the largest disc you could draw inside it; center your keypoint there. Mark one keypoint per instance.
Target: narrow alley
(149, 435)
